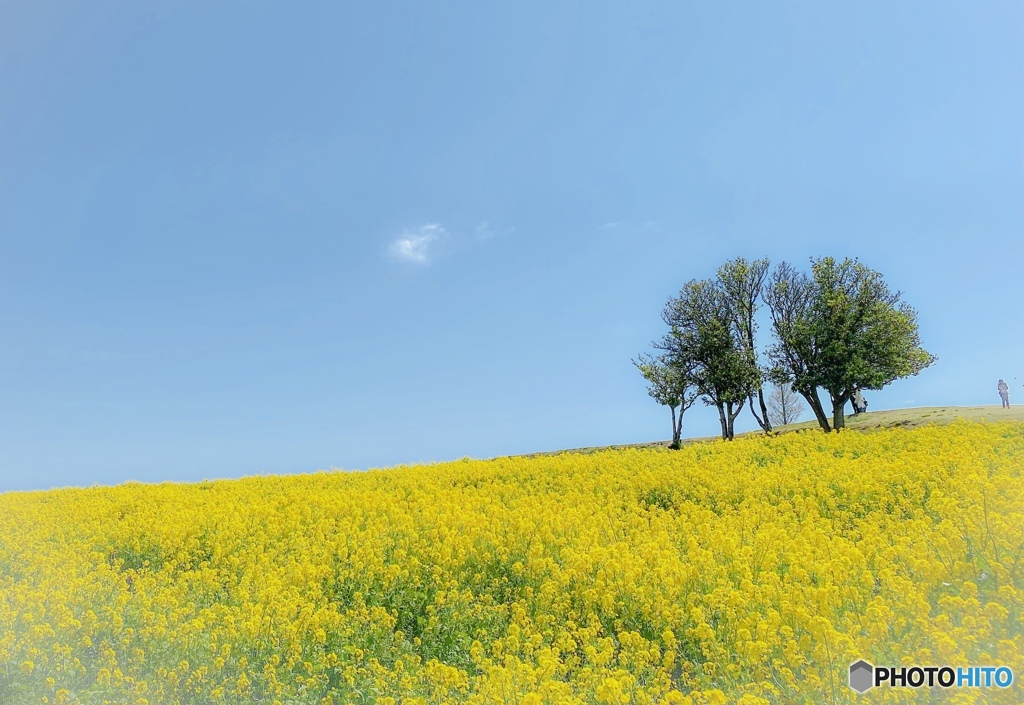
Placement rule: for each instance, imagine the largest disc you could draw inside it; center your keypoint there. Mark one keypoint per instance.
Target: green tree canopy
(670, 384)
(841, 329)
(741, 282)
(702, 338)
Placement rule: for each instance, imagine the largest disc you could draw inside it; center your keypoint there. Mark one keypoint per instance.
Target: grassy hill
(887, 418)
(921, 416)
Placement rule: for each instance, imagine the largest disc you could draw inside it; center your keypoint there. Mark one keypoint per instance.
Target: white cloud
(486, 231)
(629, 227)
(414, 245)
(483, 230)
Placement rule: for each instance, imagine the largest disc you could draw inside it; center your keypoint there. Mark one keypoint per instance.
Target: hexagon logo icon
(861, 676)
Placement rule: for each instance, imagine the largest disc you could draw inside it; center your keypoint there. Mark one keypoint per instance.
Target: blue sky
(277, 237)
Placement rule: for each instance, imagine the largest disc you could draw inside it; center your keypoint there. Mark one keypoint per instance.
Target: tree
(742, 281)
(703, 339)
(841, 329)
(670, 385)
(789, 295)
(784, 405)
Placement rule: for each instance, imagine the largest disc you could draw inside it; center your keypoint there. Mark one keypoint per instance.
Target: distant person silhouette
(859, 404)
(1004, 393)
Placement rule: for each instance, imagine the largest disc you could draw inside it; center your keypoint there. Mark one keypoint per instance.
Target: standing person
(858, 403)
(1004, 393)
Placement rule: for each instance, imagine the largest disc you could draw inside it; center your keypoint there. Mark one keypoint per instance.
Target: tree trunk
(764, 410)
(676, 429)
(815, 403)
(721, 419)
(838, 413)
(763, 421)
(784, 410)
(732, 420)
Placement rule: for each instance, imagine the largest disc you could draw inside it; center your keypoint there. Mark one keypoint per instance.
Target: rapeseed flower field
(754, 572)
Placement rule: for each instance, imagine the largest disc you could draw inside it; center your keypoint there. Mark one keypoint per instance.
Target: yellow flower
(749, 571)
